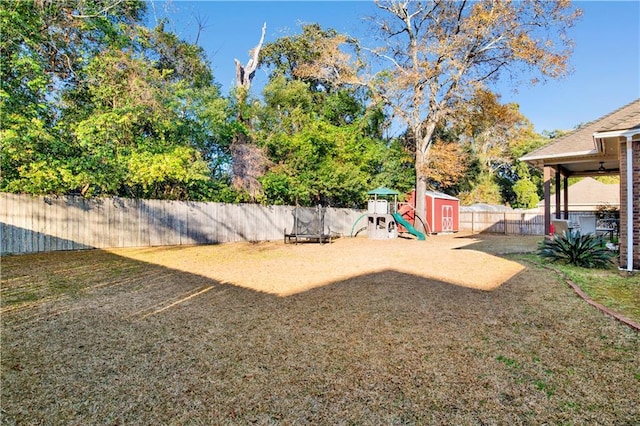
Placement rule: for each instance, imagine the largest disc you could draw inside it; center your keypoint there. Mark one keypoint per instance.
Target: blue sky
(606, 57)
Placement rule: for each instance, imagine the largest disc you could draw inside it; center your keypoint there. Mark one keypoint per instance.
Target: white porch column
(629, 204)
(547, 200)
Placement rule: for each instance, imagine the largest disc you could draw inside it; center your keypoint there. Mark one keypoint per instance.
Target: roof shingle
(580, 141)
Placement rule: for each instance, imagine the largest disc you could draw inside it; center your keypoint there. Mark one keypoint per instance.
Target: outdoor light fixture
(601, 169)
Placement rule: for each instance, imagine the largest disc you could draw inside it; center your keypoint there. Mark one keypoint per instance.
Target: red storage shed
(443, 212)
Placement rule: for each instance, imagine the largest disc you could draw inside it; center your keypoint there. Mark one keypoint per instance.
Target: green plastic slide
(410, 228)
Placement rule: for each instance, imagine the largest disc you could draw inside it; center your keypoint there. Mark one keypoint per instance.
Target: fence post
(504, 220)
(473, 219)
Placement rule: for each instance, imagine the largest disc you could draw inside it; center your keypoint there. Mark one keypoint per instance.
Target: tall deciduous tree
(323, 145)
(488, 129)
(440, 52)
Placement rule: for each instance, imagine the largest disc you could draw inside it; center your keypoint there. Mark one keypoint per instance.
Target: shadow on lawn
(107, 339)
(38, 287)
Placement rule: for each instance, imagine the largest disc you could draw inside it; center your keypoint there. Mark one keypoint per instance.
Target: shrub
(587, 251)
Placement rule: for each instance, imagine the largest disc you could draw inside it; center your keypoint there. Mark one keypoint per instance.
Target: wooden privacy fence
(518, 223)
(31, 224)
(510, 222)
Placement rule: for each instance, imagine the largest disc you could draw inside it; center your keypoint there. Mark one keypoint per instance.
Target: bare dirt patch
(356, 334)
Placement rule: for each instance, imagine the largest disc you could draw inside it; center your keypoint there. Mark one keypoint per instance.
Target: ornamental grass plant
(584, 250)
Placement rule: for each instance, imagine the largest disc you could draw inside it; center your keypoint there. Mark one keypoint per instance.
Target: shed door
(447, 218)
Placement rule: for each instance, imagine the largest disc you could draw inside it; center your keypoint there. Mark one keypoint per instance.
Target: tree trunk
(423, 136)
(421, 189)
(249, 162)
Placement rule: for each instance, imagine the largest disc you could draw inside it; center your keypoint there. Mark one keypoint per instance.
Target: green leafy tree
(95, 103)
(492, 133)
(322, 138)
(526, 193)
(136, 118)
(44, 48)
(314, 158)
(317, 56)
(396, 171)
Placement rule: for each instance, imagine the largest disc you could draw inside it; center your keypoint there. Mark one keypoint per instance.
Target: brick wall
(634, 218)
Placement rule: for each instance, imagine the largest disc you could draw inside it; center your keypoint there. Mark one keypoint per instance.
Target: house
(609, 145)
(588, 194)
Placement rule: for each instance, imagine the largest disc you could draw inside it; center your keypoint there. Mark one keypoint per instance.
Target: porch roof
(582, 151)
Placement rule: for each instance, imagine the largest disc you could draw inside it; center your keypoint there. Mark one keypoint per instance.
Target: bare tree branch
(202, 24)
(389, 58)
(245, 74)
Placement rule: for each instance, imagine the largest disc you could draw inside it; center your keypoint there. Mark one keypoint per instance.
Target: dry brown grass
(356, 332)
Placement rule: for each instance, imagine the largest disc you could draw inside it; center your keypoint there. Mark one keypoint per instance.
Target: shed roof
(442, 195)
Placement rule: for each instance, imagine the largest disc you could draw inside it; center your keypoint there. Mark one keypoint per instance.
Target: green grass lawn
(611, 287)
